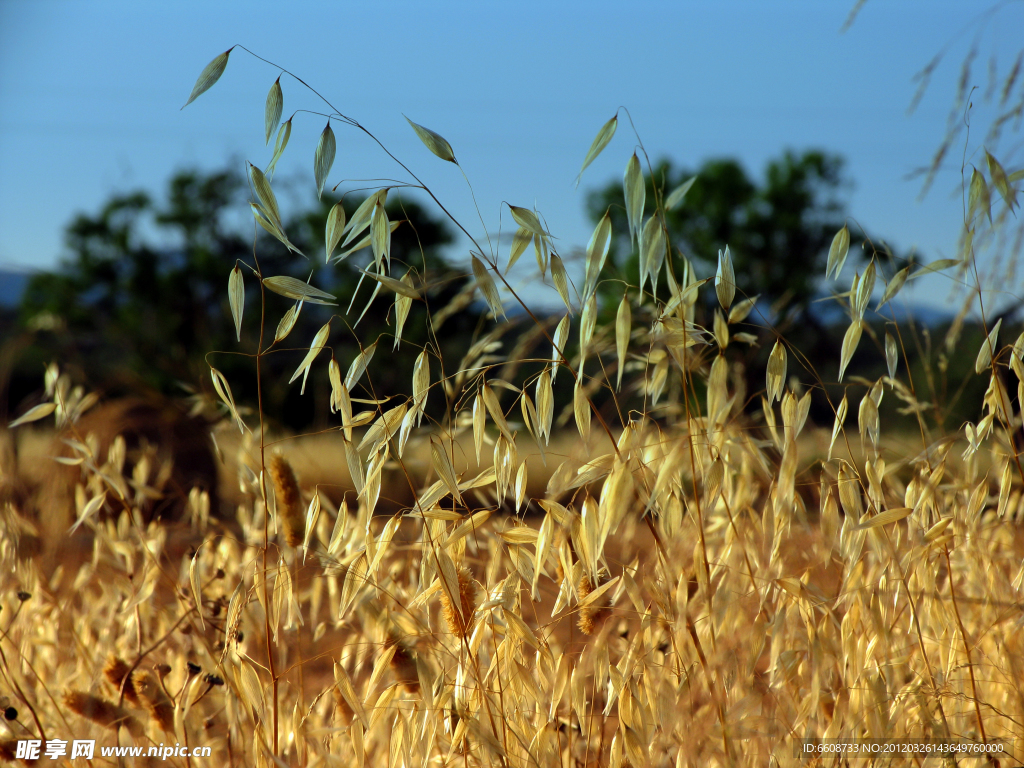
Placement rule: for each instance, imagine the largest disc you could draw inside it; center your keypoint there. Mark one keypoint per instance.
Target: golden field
(794, 623)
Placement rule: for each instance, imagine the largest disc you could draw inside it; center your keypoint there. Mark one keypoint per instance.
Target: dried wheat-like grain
(289, 500)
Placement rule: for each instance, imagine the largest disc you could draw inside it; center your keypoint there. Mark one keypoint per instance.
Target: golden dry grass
(789, 628)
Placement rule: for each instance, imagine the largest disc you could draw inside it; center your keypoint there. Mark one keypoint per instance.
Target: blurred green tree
(778, 230)
(141, 298)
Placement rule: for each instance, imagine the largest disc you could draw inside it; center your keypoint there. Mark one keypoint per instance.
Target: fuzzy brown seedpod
(100, 711)
(115, 670)
(9, 751)
(155, 700)
(289, 500)
(458, 621)
(403, 665)
(591, 616)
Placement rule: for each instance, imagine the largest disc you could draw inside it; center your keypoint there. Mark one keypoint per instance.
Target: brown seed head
(9, 750)
(155, 700)
(458, 620)
(289, 500)
(591, 616)
(116, 670)
(100, 711)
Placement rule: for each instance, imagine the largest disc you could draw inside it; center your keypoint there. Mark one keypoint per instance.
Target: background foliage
(140, 300)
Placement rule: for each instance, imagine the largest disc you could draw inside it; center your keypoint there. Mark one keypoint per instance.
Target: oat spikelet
(100, 711)
(460, 621)
(342, 711)
(155, 700)
(591, 616)
(115, 670)
(403, 665)
(560, 537)
(289, 500)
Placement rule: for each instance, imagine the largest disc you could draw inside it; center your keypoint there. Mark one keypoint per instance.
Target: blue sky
(91, 93)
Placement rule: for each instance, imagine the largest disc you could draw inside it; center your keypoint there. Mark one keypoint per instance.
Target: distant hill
(12, 286)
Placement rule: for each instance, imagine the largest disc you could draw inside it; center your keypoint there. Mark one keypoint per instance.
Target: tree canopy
(141, 298)
(142, 292)
(778, 229)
